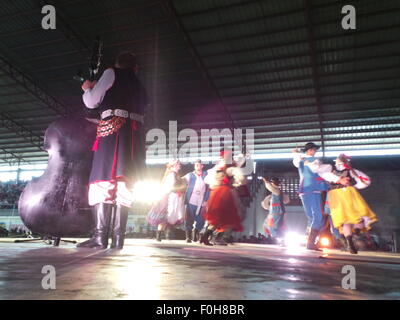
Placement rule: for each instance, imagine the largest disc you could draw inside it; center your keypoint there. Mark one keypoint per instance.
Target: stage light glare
(325, 242)
(293, 239)
(147, 191)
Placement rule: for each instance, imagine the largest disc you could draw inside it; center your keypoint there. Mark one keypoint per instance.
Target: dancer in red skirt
(222, 207)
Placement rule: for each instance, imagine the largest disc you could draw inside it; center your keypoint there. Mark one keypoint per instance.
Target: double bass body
(55, 204)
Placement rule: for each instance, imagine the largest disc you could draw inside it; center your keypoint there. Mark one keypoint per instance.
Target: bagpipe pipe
(94, 67)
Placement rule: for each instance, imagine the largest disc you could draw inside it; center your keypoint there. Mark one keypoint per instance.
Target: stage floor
(174, 270)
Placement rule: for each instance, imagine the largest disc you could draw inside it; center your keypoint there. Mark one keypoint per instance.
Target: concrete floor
(175, 270)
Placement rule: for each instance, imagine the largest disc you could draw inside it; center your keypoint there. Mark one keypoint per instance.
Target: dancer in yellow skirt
(350, 213)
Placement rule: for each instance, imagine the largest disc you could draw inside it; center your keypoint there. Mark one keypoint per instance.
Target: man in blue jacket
(310, 189)
(196, 198)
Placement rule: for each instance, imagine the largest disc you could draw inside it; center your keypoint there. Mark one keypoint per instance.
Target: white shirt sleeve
(209, 179)
(362, 180)
(297, 157)
(238, 176)
(323, 170)
(187, 177)
(272, 189)
(93, 97)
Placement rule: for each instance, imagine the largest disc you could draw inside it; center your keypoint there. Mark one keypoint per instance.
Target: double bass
(56, 204)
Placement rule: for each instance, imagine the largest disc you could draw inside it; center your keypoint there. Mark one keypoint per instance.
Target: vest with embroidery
(191, 184)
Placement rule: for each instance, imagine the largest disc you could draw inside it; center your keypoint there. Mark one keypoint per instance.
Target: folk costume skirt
(118, 161)
(349, 207)
(170, 209)
(222, 211)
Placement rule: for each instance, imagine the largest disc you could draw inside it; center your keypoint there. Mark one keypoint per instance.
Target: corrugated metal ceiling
(285, 68)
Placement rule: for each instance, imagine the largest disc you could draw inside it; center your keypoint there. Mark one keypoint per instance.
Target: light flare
(325, 242)
(147, 191)
(294, 240)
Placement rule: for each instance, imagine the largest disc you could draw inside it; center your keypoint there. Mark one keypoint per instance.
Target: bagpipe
(94, 67)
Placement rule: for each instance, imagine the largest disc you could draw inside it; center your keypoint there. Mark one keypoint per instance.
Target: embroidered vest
(192, 182)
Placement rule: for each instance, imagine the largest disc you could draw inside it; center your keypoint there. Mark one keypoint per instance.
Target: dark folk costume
(119, 151)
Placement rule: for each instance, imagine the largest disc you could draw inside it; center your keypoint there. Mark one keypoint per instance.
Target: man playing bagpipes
(119, 148)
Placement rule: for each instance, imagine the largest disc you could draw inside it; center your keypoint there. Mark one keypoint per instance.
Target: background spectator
(10, 192)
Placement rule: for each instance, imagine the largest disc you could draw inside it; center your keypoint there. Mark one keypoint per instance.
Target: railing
(7, 209)
(289, 184)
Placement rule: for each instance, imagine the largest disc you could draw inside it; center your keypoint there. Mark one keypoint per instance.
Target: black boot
(229, 240)
(311, 240)
(343, 243)
(227, 237)
(205, 237)
(350, 245)
(218, 239)
(102, 219)
(159, 235)
(195, 235)
(168, 233)
(188, 236)
(119, 226)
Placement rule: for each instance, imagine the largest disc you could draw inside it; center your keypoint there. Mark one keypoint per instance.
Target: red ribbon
(96, 144)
